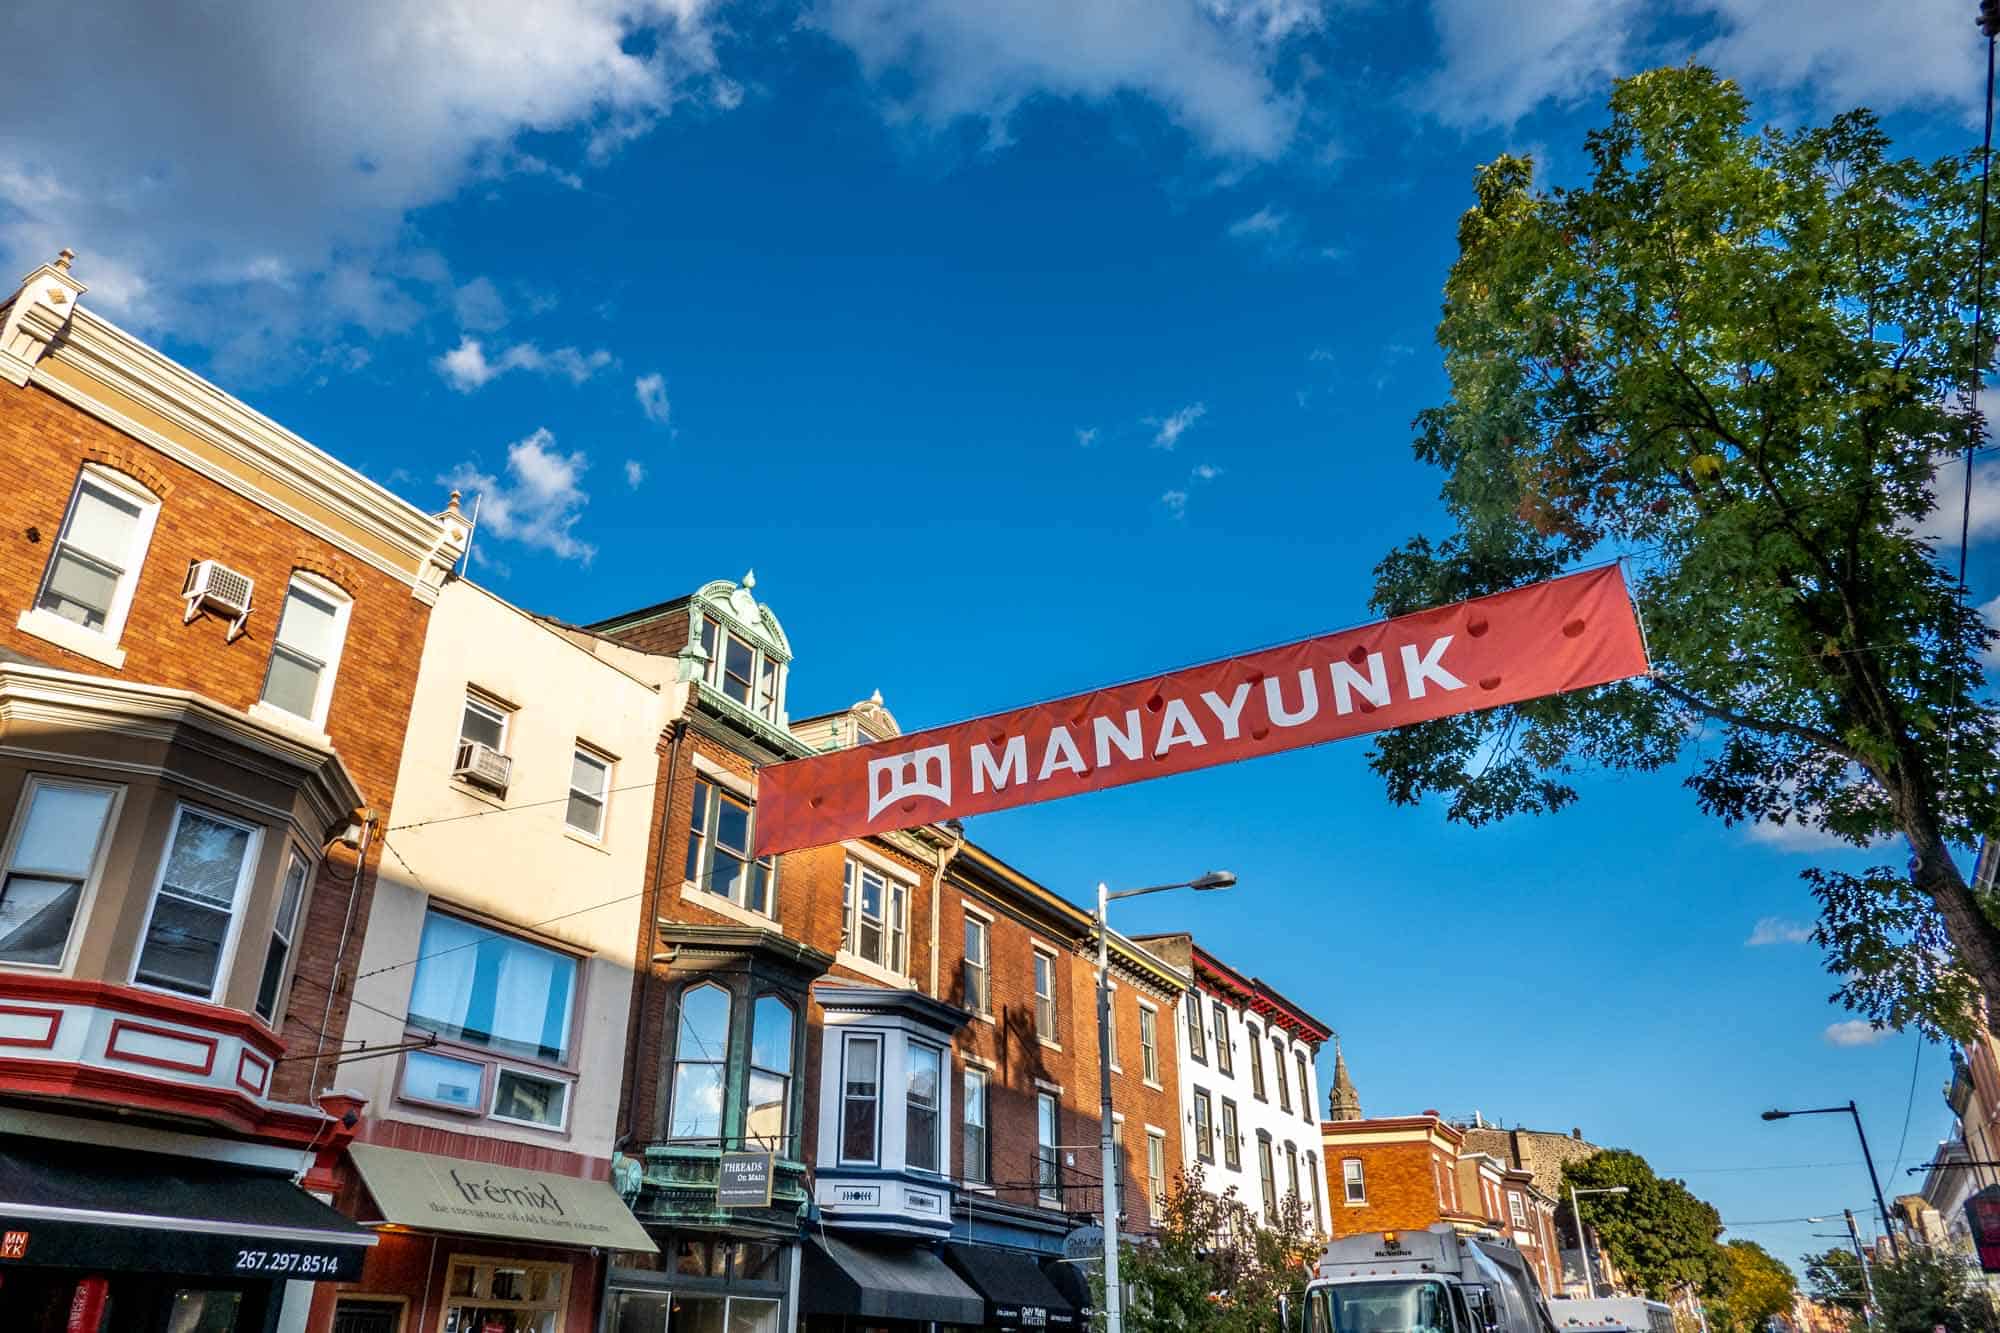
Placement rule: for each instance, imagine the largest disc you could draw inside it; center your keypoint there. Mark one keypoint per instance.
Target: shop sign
(86, 1306)
(744, 1180)
(437, 1193)
(1021, 1316)
(210, 1254)
(13, 1245)
(1548, 638)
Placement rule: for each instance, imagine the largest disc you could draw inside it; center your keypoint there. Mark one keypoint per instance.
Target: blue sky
(1018, 347)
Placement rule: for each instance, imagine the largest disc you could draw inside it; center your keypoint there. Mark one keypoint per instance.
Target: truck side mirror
(1285, 1312)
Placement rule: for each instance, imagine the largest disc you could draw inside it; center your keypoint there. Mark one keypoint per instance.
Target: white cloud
(478, 306)
(1265, 223)
(321, 128)
(1210, 65)
(1855, 1032)
(1086, 436)
(635, 472)
(466, 367)
(1777, 930)
(1793, 836)
(539, 502)
(1176, 503)
(1172, 427)
(1500, 59)
(1206, 472)
(652, 392)
(1941, 525)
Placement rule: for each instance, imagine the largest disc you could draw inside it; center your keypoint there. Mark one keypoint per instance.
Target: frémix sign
(436, 1193)
(1567, 634)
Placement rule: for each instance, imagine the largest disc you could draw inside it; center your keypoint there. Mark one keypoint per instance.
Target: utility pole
(1861, 1257)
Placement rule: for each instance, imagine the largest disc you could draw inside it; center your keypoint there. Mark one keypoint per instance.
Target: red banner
(1567, 634)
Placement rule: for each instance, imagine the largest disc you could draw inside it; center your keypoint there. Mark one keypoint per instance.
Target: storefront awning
(1073, 1281)
(1018, 1294)
(890, 1281)
(434, 1193)
(110, 1208)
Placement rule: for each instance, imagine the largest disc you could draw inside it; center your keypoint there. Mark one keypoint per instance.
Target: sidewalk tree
(1927, 1288)
(1736, 358)
(1754, 1288)
(1660, 1237)
(1212, 1267)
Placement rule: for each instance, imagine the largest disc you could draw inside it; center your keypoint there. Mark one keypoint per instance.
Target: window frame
(984, 1125)
(894, 929)
(787, 1130)
(1048, 1195)
(609, 766)
(1292, 1169)
(1312, 1178)
(1197, 1031)
(982, 1003)
(93, 870)
(713, 634)
(1516, 1211)
(1305, 1085)
(1048, 1034)
(124, 487)
(1225, 1058)
(1204, 1126)
(1354, 1181)
(675, 1061)
(704, 813)
(911, 1106)
(1149, 1043)
(1156, 1166)
(343, 608)
(225, 956)
(1267, 1175)
(1278, 1049)
(505, 1067)
(1230, 1128)
(848, 1042)
(477, 701)
(294, 856)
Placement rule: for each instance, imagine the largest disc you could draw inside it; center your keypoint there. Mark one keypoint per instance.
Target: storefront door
(504, 1296)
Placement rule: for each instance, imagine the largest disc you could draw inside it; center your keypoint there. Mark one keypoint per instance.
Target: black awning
(879, 1281)
(111, 1208)
(1072, 1279)
(1018, 1294)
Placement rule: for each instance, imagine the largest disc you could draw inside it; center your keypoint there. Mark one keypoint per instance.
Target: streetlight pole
(1861, 1257)
(1107, 1130)
(1895, 1247)
(1583, 1237)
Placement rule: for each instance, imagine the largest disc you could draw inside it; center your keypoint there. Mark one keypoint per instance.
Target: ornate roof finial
(453, 506)
(63, 258)
(876, 698)
(750, 579)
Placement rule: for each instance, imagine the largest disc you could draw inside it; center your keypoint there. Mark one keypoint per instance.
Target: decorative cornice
(685, 939)
(844, 998)
(35, 317)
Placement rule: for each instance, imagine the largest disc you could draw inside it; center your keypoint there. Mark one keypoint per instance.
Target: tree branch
(1770, 726)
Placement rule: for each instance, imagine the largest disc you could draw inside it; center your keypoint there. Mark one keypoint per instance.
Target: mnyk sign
(1567, 634)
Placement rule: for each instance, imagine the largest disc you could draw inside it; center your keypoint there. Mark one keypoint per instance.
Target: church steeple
(1344, 1103)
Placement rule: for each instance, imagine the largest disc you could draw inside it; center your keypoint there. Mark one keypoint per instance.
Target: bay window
(768, 1120)
(305, 650)
(718, 851)
(925, 1076)
(977, 1165)
(283, 928)
(57, 834)
(701, 1064)
(875, 915)
(196, 900)
(742, 671)
(860, 1100)
(95, 559)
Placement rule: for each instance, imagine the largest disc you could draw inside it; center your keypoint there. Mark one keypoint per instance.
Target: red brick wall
(44, 442)
(1402, 1189)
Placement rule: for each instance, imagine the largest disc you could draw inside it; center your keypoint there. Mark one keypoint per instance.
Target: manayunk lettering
(1004, 762)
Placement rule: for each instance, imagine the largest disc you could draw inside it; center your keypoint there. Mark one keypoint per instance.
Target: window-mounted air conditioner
(212, 586)
(483, 766)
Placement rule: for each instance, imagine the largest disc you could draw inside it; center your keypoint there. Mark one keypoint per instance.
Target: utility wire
(1909, 1106)
(1989, 23)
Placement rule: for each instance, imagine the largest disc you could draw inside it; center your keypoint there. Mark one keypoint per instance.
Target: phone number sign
(147, 1250)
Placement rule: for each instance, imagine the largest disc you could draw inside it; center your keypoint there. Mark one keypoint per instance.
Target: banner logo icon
(924, 772)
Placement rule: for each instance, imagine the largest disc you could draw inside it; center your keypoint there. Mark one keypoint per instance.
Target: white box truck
(1430, 1281)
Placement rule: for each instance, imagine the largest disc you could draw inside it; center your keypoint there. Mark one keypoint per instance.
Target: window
(861, 1086)
(283, 927)
(1118, 1162)
(738, 666)
(1048, 1178)
(1278, 1069)
(305, 651)
(1045, 996)
(1254, 1046)
(1111, 1026)
(1149, 1043)
(1204, 1126)
(875, 910)
(56, 839)
(430, 1077)
(978, 1165)
(506, 1293)
(485, 723)
(530, 1099)
(920, 1113)
(94, 564)
(1292, 1168)
(194, 904)
(1519, 1214)
(478, 987)
(1232, 1150)
(1354, 1180)
(701, 1056)
(1225, 1058)
(746, 674)
(767, 1120)
(1312, 1183)
(1266, 1178)
(1197, 1045)
(589, 784)
(978, 997)
(1156, 1168)
(718, 858)
(1305, 1085)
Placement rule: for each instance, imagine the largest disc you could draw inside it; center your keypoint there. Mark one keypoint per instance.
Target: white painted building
(1249, 1085)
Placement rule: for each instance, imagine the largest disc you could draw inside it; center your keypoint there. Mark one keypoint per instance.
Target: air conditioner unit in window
(483, 766)
(216, 587)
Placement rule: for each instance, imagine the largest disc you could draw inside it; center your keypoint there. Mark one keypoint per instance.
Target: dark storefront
(858, 1286)
(1018, 1294)
(95, 1238)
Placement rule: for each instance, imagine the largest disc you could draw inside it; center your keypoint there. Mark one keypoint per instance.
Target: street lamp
(1895, 1247)
(1107, 1137)
(1583, 1239)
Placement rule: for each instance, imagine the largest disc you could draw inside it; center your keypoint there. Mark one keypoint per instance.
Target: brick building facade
(205, 662)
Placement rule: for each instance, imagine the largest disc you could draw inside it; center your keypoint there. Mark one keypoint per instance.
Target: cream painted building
(507, 913)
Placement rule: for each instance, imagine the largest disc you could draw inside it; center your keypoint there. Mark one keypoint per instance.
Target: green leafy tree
(1735, 358)
(1658, 1234)
(1928, 1288)
(1212, 1267)
(1754, 1288)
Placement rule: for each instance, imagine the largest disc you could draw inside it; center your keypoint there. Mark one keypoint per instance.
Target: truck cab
(1431, 1281)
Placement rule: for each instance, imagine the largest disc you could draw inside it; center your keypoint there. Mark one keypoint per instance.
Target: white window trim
(1048, 1198)
(847, 1043)
(93, 874)
(1039, 950)
(849, 953)
(694, 892)
(1349, 1181)
(493, 1097)
(1153, 1009)
(100, 645)
(591, 752)
(502, 713)
(225, 959)
(983, 1070)
(293, 852)
(940, 1108)
(985, 1009)
(343, 606)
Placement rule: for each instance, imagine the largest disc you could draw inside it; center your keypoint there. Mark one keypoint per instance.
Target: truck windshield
(1390, 1307)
